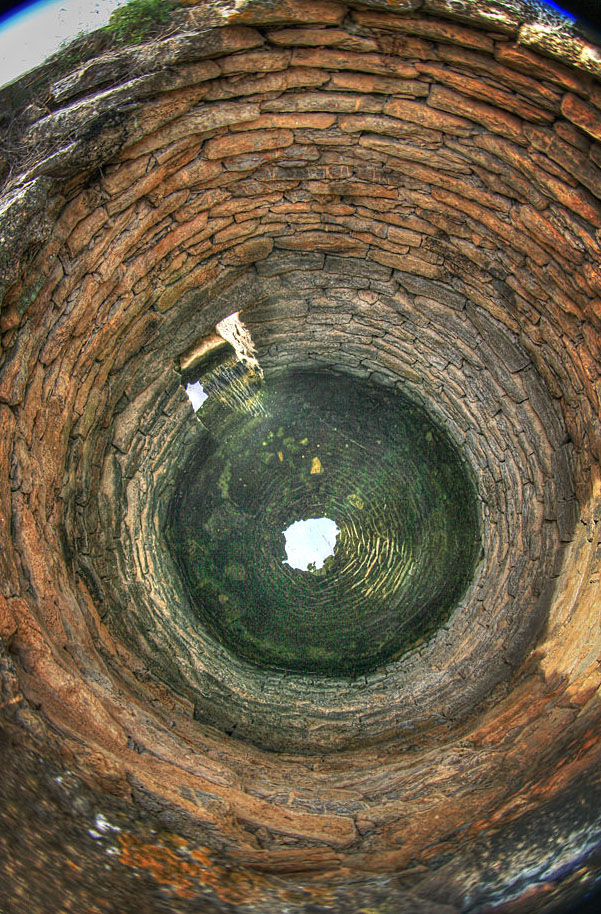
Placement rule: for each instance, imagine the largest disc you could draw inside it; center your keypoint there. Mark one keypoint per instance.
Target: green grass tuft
(139, 19)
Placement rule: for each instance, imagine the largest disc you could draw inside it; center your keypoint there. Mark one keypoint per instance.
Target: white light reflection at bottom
(310, 542)
(196, 394)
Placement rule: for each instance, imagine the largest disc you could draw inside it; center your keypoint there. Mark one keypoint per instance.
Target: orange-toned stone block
(494, 119)
(577, 199)
(572, 135)
(253, 141)
(292, 12)
(194, 174)
(520, 58)
(185, 233)
(592, 274)
(336, 59)
(251, 251)
(324, 101)
(585, 116)
(499, 228)
(408, 263)
(351, 188)
(336, 242)
(202, 275)
(482, 66)
(547, 233)
(202, 120)
(402, 236)
(388, 126)
(118, 178)
(291, 121)
(415, 155)
(234, 206)
(8, 571)
(80, 207)
(171, 105)
(264, 83)
(322, 38)
(85, 231)
(385, 85)
(434, 29)
(262, 61)
(427, 116)
(477, 88)
(234, 231)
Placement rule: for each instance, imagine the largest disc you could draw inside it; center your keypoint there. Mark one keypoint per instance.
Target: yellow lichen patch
(188, 877)
(232, 886)
(313, 892)
(356, 501)
(162, 863)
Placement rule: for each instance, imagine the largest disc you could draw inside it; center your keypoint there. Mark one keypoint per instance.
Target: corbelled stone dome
(399, 196)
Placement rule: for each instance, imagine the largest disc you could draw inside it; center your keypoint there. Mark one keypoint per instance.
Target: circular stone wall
(312, 448)
(407, 194)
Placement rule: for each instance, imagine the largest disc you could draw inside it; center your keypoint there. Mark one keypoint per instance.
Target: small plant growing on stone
(137, 20)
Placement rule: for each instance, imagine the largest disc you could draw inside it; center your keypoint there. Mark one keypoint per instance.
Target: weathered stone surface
(325, 101)
(426, 28)
(198, 45)
(284, 263)
(575, 199)
(334, 264)
(92, 75)
(548, 234)
(448, 248)
(249, 251)
(408, 264)
(435, 158)
(205, 119)
(322, 12)
(496, 15)
(330, 59)
(367, 82)
(322, 38)
(25, 218)
(290, 78)
(323, 241)
(502, 344)
(426, 116)
(499, 75)
(247, 142)
(289, 121)
(585, 116)
(566, 46)
(494, 119)
(520, 57)
(507, 101)
(261, 61)
(573, 161)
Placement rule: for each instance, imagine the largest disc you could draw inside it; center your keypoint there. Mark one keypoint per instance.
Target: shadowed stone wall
(407, 192)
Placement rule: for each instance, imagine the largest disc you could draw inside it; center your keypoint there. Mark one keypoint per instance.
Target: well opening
(402, 199)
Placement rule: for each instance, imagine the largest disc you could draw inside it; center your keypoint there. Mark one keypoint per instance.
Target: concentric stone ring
(312, 448)
(399, 200)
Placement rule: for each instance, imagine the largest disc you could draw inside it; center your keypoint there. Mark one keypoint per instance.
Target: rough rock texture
(407, 191)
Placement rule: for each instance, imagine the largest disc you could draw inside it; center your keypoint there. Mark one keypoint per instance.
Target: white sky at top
(310, 541)
(32, 34)
(196, 394)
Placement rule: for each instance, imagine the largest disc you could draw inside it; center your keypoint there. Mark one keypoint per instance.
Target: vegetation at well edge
(138, 19)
